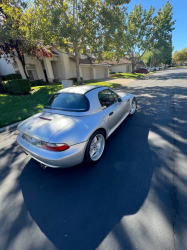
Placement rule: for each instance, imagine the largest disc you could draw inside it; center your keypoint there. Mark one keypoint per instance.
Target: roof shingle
(121, 61)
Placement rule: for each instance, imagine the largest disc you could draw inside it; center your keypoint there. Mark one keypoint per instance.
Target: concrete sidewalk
(9, 128)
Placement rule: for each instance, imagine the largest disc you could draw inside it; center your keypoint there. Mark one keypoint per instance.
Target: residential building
(123, 65)
(61, 66)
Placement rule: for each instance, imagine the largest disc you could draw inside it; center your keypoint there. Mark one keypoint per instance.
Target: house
(124, 65)
(61, 66)
(140, 64)
(185, 63)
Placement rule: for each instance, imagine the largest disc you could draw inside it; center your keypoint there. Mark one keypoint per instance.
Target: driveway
(134, 198)
(121, 81)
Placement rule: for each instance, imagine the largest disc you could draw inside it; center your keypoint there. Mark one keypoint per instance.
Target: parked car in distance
(142, 70)
(152, 68)
(74, 125)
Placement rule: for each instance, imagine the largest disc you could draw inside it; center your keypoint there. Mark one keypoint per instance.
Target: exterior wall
(61, 65)
(67, 66)
(36, 62)
(58, 67)
(6, 68)
(121, 68)
(93, 71)
(72, 69)
(55, 69)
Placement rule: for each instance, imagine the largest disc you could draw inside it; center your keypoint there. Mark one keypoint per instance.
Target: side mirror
(119, 100)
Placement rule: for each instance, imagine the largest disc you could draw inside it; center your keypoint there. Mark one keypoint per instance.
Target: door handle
(128, 100)
(111, 113)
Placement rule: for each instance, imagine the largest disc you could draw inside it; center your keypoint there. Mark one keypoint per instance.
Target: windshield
(68, 102)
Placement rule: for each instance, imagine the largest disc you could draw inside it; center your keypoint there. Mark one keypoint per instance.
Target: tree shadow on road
(77, 208)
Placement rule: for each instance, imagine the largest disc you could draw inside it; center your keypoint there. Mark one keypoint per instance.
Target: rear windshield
(68, 102)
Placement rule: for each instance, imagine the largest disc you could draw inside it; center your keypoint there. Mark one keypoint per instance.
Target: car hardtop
(90, 92)
(80, 89)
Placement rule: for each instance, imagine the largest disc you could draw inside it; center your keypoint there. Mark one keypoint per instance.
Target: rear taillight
(55, 146)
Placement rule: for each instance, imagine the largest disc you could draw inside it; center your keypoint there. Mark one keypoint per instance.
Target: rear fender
(81, 130)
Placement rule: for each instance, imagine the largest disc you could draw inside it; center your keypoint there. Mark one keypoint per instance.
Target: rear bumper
(72, 156)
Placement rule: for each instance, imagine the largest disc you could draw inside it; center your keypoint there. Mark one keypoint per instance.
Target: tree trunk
(22, 60)
(133, 64)
(24, 69)
(77, 63)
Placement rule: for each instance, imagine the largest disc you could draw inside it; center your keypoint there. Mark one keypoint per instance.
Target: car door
(123, 107)
(111, 106)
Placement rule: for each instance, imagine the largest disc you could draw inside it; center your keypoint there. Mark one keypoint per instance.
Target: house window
(31, 71)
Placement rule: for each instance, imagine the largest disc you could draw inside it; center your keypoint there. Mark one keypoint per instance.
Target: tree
(146, 32)
(138, 34)
(179, 56)
(162, 31)
(153, 57)
(13, 40)
(90, 25)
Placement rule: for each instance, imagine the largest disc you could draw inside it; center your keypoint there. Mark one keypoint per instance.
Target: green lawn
(14, 108)
(128, 75)
(105, 84)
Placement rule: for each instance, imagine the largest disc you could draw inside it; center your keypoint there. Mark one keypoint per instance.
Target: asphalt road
(134, 198)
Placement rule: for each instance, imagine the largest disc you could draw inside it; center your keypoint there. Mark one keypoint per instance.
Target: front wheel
(95, 147)
(133, 106)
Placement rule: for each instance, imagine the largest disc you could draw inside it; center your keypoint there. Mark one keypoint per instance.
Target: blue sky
(179, 13)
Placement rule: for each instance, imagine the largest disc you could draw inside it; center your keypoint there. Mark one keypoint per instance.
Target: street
(134, 198)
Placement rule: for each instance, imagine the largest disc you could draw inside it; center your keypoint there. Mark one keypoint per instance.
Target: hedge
(38, 83)
(75, 79)
(2, 89)
(11, 77)
(17, 86)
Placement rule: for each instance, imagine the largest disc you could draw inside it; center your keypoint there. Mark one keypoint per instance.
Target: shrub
(1, 88)
(17, 86)
(11, 77)
(38, 82)
(75, 79)
(111, 72)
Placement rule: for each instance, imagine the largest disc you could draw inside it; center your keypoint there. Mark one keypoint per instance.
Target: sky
(179, 14)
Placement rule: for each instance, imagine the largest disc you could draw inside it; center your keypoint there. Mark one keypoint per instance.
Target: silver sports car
(74, 125)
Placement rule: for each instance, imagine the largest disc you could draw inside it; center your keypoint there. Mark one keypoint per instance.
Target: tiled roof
(121, 61)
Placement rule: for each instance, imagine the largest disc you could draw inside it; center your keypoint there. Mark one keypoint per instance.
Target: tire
(95, 149)
(133, 106)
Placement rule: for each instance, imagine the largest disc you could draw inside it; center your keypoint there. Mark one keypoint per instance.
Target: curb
(10, 128)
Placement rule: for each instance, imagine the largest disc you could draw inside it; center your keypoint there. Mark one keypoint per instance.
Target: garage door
(86, 73)
(100, 73)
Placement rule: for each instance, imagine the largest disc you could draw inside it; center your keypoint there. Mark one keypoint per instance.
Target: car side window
(106, 98)
(115, 96)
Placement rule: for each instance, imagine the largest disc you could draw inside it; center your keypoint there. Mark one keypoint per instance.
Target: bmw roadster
(74, 125)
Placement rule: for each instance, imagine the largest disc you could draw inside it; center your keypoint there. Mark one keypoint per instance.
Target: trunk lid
(43, 126)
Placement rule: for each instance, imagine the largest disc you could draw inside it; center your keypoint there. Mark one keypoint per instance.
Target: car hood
(44, 126)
